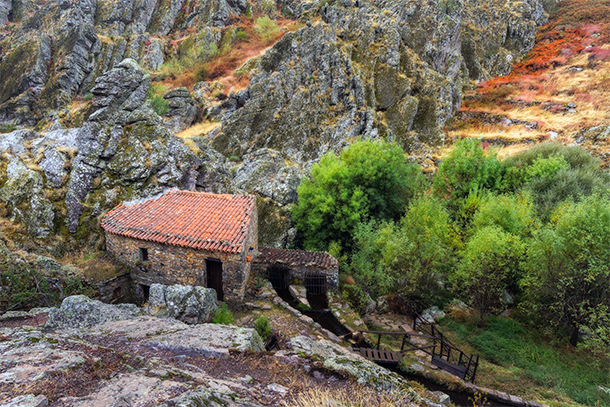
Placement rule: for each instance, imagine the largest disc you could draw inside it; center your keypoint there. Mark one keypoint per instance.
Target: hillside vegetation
(524, 237)
(558, 91)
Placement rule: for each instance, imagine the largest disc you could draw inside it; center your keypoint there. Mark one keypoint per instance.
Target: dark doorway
(145, 292)
(279, 275)
(214, 273)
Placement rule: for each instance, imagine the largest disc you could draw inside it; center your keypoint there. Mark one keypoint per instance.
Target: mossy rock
(16, 68)
(274, 223)
(390, 87)
(400, 116)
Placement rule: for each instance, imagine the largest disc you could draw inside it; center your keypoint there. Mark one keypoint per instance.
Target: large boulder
(119, 92)
(79, 311)
(23, 194)
(193, 305)
(182, 109)
(209, 340)
(343, 361)
(268, 173)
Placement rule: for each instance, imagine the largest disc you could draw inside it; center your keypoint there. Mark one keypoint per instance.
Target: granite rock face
(374, 69)
(81, 72)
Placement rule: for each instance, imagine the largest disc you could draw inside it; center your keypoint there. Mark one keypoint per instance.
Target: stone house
(185, 237)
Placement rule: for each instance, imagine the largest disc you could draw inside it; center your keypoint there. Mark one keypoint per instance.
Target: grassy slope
(522, 361)
(569, 63)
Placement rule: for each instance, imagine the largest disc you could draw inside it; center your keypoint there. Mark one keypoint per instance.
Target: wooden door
(214, 273)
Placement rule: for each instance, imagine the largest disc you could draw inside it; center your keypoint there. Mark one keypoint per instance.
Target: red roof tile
(198, 220)
(296, 258)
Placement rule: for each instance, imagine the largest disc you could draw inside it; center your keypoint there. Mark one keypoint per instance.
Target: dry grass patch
(199, 129)
(95, 266)
(354, 397)
(570, 63)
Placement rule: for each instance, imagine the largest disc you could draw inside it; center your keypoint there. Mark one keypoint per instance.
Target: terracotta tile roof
(296, 258)
(197, 220)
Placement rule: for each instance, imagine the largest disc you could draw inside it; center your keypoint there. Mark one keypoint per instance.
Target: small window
(143, 254)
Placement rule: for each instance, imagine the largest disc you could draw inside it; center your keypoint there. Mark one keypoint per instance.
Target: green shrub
(222, 315)
(546, 167)
(568, 283)
(467, 169)
(89, 96)
(356, 298)
(513, 213)
(159, 105)
(411, 258)
(368, 181)
(552, 173)
(241, 35)
(155, 99)
(489, 266)
(266, 28)
(262, 327)
(202, 73)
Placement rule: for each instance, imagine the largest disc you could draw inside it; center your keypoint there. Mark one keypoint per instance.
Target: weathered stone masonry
(154, 262)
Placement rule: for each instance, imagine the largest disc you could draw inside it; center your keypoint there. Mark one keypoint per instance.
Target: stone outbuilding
(317, 271)
(188, 238)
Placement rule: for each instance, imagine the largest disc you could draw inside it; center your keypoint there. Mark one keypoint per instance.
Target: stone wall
(297, 275)
(116, 290)
(170, 265)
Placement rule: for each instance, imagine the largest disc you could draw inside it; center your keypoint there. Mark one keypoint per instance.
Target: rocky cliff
(81, 134)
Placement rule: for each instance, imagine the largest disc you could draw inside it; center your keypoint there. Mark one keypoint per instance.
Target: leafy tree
(367, 265)
(552, 173)
(514, 214)
(468, 168)
(368, 181)
(568, 282)
(490, 265)
(411, 258)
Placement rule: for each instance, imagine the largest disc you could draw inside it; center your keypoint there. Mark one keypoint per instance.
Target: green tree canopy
(467, 169)
(552, 173)
(489, 266)
(368, 181)
(411, 258)
(515, 214)
(569, 266)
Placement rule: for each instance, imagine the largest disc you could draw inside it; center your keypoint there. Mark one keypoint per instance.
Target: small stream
(319, 310)
(321, 314)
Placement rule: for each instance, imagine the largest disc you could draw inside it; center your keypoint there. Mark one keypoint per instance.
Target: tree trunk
(574, 337)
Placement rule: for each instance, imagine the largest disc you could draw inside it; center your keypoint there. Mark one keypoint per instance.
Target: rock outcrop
(95, 359)
(374, 69)
(79, 311)
(367, 69)
(122, 151)
(193, 305)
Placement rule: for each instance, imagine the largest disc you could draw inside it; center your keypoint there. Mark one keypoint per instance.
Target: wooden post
(460, 361)
(474, 372)
(404, 339)
(468, 366)
(378, 340)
